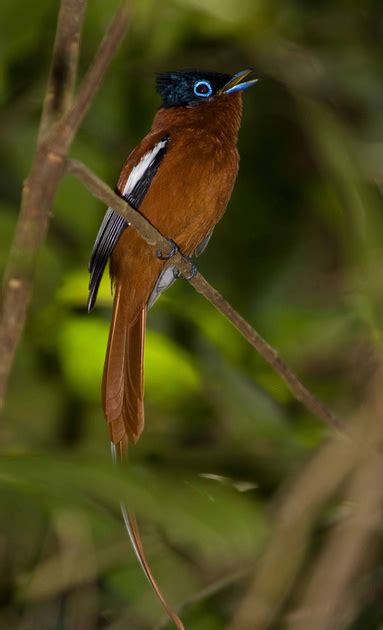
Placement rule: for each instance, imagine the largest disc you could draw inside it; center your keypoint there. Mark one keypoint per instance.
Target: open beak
(237, 83)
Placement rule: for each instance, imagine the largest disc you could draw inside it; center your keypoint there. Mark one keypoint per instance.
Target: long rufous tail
(123, 401)
(123, 381)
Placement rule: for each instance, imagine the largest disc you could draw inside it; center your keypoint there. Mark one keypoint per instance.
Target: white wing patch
(139, 170)
(165, 280)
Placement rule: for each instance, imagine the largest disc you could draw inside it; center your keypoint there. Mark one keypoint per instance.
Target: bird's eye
(203, 88)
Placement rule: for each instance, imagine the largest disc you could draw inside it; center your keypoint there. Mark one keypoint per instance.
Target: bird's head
(189, 88)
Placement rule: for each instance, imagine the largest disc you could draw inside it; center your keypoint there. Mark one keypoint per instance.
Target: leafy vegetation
(298, 253)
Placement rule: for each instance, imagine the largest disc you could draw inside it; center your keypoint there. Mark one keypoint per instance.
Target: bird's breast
(192, 187)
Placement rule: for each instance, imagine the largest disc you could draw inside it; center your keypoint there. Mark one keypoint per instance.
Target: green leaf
(170, 374)
(82, 342)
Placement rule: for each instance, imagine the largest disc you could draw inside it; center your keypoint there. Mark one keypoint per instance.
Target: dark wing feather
(114, 224)
(110, 231)
(203, 244)
(141, 187)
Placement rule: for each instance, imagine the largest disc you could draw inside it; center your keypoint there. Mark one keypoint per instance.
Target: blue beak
(236, 82)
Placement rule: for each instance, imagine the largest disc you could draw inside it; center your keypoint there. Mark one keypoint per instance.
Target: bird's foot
(173, 250)
(192, 273)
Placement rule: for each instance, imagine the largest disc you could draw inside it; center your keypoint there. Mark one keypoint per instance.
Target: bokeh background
(298, 253)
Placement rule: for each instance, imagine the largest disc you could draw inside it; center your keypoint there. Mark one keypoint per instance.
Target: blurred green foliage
(298, 253)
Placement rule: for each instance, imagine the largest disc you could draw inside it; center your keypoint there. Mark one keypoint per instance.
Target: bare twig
(209, 591)
(298, 511)
(37, 193)
(269, 354)
(92, 80)
(293, 521)
(46, 172)
(331, 599)
(332, 595)
(63, 72)
(100, 190)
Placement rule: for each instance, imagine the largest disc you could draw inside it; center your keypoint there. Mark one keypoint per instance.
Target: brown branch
(295, 519)
(46, 171)
(92, 80)
(332, 594)
(293, 522)
(63, 72)
(101, 191)
(207, 592)
(149, 233)
(269, 354)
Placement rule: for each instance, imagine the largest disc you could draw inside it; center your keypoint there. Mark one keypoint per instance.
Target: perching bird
(180, 177)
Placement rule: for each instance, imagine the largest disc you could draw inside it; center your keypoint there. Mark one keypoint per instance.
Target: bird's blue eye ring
(203, 88)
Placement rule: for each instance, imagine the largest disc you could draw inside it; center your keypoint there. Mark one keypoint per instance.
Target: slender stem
(92, 80)
(207, 592)
(63, 72)
(331, 592)
(48, 168)
(269, 354)
(149, 233)
(332, 596)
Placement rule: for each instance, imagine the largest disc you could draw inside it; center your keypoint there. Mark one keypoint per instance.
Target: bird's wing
(134, 182)
(168, 275)
(203, 244)
(164, 281)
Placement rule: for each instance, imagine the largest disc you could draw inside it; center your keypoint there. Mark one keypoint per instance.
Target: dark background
(298, 253)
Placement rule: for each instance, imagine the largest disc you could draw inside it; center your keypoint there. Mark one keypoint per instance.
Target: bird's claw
(192, 273)
(173, 251)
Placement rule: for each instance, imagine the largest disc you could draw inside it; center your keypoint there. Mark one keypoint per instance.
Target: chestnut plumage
(180, 177)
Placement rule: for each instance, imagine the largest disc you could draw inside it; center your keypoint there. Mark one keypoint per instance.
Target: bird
(180, 177)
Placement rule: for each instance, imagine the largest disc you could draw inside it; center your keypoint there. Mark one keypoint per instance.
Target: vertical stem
(39, 188)
(47, 170)
(63, 71)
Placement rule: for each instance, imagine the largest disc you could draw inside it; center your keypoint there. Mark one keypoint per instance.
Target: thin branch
(63, 72)
(332, 592)
(100, 190)
(293, 522)
(207, 592)
(297, 514)
(46, 172)
(269, 354)
(332, 595)
(37, 195)
(93, 78)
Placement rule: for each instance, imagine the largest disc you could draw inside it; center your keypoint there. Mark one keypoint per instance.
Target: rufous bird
(180, 177)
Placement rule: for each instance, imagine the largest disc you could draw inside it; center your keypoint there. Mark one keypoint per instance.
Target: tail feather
(123, 380)
(123, 401)
(114, 373)
(133, 409)
(135, 539)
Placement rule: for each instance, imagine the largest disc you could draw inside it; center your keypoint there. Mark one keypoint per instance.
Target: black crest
(189, 87)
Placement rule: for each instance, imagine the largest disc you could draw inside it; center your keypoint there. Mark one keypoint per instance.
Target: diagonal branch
(269, 354)
(149, 233)
(293, 521)
(332, 594)
(47, 170)
(207, 592)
